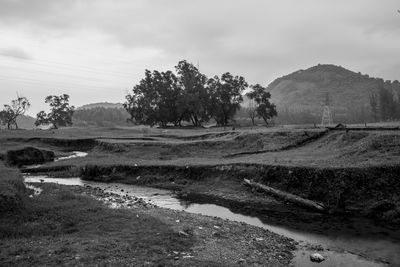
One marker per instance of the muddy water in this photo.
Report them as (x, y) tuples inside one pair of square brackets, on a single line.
[(347, 250), (74, 154)]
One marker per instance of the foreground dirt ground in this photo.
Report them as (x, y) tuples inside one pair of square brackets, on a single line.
[(64, 225)]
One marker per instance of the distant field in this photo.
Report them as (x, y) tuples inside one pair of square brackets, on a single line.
[(137, 130), (133, 131), (289, 145), (377, 124)]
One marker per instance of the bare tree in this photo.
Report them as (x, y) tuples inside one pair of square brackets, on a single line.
[(11, 112)]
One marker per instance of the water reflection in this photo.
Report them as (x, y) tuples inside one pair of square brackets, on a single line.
[(75, 154)]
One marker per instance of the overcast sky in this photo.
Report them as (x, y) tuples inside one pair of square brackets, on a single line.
[(96, 50)]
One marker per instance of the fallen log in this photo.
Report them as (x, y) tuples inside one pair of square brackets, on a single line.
[(288, 197)]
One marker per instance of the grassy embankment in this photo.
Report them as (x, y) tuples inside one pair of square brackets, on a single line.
[(12, 190)]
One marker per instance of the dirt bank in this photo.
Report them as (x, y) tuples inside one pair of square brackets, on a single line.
[(68, 144), (353, 190)]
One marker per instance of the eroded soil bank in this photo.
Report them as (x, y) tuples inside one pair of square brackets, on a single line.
[(372, 192)]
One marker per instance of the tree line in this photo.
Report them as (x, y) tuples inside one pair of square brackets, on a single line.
[(163, 98), (384, 105)]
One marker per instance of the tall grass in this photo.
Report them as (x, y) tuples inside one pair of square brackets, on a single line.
[(12, 189)]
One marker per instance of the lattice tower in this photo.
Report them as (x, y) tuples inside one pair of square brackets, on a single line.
[(326, 116)]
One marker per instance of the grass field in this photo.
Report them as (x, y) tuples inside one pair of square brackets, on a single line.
[(271, 146)]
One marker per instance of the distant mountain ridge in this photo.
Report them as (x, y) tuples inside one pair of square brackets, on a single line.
[(24, 122), (101, 105), (305, 90), (101, 114)]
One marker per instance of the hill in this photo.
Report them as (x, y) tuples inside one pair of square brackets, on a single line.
[(101, 105), (26, 122), (100, 114), (304, 91)]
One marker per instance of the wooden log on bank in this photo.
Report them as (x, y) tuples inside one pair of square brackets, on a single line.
[(288, 197)]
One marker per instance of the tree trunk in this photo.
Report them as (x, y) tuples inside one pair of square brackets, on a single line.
[(196, 120), (266, 120), (288, 197)]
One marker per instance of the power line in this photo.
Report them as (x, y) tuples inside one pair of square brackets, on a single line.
[(68, 48), (63, 84), (86, 78), (47, 63)]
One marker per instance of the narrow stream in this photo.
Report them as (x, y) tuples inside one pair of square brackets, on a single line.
[(75, 154), (382, 250)]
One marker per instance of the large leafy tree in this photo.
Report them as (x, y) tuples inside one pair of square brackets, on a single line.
[(264, 108), (194, 99), (168, 91), (163, 97), (226, 96), (10, 113), (153, 100), (60, 114)]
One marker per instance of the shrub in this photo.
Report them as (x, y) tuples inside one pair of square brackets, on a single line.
[(28, 155)]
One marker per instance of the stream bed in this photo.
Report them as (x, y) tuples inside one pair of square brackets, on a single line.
[(338, 250)]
